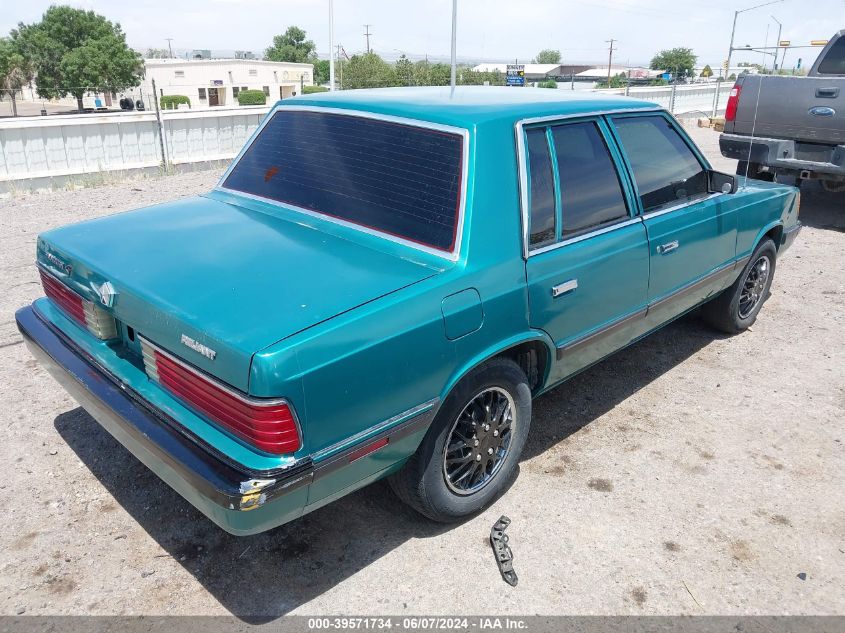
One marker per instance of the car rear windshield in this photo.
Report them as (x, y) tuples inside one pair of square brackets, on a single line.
[(395, 178)]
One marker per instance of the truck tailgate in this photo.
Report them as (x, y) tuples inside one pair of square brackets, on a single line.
[(807, 109)]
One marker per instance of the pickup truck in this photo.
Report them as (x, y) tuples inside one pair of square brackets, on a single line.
[(791, 127), (381, 283)]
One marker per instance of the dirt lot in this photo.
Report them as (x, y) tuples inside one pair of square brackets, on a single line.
[(691, 473)]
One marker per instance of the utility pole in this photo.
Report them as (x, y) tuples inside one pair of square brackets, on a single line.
[(454, 40), (340, 61), (367, 35), (331, 44), (169, 46), (609, 60)]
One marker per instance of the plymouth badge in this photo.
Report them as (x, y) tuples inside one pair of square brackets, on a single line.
[(206, 351)]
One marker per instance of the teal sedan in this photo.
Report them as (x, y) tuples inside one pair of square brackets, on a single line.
[(380, 284)]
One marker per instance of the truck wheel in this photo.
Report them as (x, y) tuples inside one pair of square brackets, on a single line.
[(470, 453), (737, 307)]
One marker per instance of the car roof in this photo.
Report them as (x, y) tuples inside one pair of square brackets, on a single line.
[(468, 106)]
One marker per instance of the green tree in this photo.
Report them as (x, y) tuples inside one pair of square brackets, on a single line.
[(547, 56), (15, 71), (368, 70), (706, 72), (321, 71), (678, 61), (157, 53), (291, 47), (617, 81), (75, 51)]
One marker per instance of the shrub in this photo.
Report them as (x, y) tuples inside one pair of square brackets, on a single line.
[(252, 97), (172, 102), (307, 90), (551, 83)]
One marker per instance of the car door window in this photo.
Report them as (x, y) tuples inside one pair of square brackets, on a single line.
[(665, 169), (541, 188), (590, 192)]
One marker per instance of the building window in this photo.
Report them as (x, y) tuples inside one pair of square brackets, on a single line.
[(235, 91), (202, 94), (266, 91), (253, 72), (179, 73), (244, 88)]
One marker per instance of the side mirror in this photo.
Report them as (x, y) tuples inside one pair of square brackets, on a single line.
[(721, 183)]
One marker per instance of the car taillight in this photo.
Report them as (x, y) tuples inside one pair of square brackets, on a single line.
[(266, 424), (99, 322), (733, 103)]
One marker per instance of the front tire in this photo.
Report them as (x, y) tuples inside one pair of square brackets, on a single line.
[(737, 308), (470, 453)]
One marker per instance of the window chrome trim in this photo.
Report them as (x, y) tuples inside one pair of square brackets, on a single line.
[(585, 236), (452, 255), (657, 214), (522, 169)]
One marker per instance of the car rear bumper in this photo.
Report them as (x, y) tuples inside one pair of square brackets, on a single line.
[(239, 501), (819, 160)]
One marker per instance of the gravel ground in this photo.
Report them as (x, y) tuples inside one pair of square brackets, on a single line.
[(691, 473)]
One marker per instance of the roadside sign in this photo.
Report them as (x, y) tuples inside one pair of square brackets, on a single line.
[(515, 75), (784, 42), (819, 42)]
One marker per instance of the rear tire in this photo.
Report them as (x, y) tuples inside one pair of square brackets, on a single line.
[(736, 308), (470, 453)]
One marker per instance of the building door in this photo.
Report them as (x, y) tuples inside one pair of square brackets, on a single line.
[(285, 92), (213, 97)]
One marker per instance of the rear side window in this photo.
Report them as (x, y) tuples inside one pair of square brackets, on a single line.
[(395, 178), (590, 192), (834, 62), (541, 189), (665, 169)]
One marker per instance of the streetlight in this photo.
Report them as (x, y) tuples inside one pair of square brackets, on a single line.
[(780, 28), (733, 30)]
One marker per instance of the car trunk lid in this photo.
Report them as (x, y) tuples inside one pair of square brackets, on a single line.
[(214, 282)]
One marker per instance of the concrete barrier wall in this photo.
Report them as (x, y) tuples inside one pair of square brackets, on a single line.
[(38, 148)]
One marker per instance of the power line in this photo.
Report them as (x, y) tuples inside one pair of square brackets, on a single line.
[(367, 35)]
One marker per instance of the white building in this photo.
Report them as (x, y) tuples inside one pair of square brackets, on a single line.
[(217, 82)]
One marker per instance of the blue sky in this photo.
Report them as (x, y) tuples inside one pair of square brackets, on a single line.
[(495, 30)]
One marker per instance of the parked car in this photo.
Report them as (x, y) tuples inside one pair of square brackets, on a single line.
[(793, 127), (381, 283)]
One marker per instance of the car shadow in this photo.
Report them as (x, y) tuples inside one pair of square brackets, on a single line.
[(587, 396), (822, 209), (260, 578)]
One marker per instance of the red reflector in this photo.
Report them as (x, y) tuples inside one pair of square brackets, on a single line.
[(733, 103), (270, 427), (369, 448), (64, 297)]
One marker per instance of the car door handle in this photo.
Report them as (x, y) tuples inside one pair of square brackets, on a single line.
[(827, 93), (668, 247), (566, 286)]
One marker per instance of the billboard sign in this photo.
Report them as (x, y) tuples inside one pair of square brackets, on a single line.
[(515, 75)]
